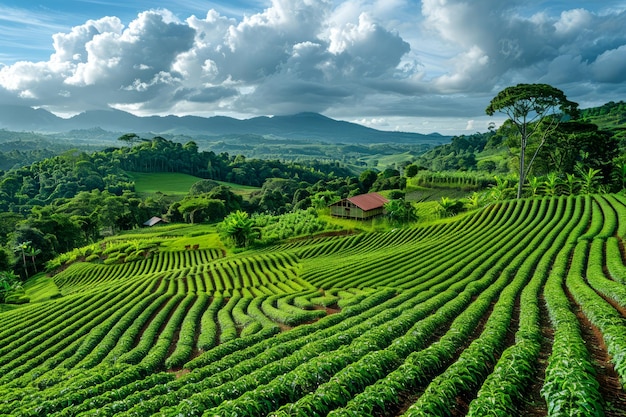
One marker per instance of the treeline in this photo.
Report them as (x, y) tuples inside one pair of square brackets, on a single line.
[(66, 175), (576, 145), (462, 153), (611, 108), (610, 116), (162, 155), (19, 157)]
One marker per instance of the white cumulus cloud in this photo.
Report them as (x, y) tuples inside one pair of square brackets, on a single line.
[(370, 60)]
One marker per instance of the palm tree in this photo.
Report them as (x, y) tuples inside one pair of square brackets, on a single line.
[(32, 252), (22, 247), (239, 227)]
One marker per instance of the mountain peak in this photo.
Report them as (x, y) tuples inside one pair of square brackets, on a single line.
[(308, 126)]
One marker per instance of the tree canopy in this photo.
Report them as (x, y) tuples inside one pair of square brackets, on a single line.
[(527, 104)]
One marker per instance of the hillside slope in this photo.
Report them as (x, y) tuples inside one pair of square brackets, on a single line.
[(610, 116), (507, 303), (296, 127)]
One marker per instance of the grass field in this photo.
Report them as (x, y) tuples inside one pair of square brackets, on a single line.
[(382, 162), (176, 184), (517, 309)]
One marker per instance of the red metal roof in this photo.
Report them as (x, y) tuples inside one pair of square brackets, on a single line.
[(369, 201)]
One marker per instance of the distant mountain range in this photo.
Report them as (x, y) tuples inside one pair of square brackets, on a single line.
[(301, 126)]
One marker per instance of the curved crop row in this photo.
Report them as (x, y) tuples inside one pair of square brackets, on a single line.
[(421, 323), (504, 389), (570, 382)]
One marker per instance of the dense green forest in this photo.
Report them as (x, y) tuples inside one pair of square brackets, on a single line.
[(22, 148), (595, 140), (610, 116), (65, 201)]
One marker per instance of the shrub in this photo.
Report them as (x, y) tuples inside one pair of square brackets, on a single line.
[(93, 257)]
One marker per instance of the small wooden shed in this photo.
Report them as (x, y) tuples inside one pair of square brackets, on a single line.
[(363, 206), (154, 220)]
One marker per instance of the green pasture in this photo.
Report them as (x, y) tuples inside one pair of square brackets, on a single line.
[(383, 162), (176, 184)]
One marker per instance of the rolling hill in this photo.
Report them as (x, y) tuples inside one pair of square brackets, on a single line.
[(515, 309), (302, 126)]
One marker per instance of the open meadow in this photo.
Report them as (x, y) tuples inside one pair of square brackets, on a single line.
[(515, 309), (176, 184)]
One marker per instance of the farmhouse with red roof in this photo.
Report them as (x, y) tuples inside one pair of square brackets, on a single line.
[(364, 206)]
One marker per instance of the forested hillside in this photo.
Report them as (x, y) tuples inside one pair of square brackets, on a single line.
[(610, 116), (595, 140), (70, 200)]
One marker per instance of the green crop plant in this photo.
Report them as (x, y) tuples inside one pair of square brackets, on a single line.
[(32, 349), (600, 313), (208, 324), (423, 315), (228, 329), (570, 386), (79, 348), (614, 262), (608, 215), (149, 336), (238, 357), (503, 390), (186, 339), (126, 341), (595, 272), (420, 365), (618, 202)]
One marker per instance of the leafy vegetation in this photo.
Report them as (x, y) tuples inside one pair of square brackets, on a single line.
[(421, 317), (610, 116), (11, 290), (532, 109)]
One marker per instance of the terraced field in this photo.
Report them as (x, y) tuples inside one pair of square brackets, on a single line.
[(516, 309)]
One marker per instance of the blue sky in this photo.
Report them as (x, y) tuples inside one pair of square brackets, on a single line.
[(422, 66)]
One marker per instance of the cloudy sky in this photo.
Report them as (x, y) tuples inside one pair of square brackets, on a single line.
[(420, 66)]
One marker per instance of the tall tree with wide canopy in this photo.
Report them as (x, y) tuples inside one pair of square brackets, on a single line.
[(526, 105)]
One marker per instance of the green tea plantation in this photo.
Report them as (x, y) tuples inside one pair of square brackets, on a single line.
[(515, 309)]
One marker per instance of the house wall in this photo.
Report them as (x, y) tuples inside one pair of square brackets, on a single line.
[(374, 213), (346, 209)]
